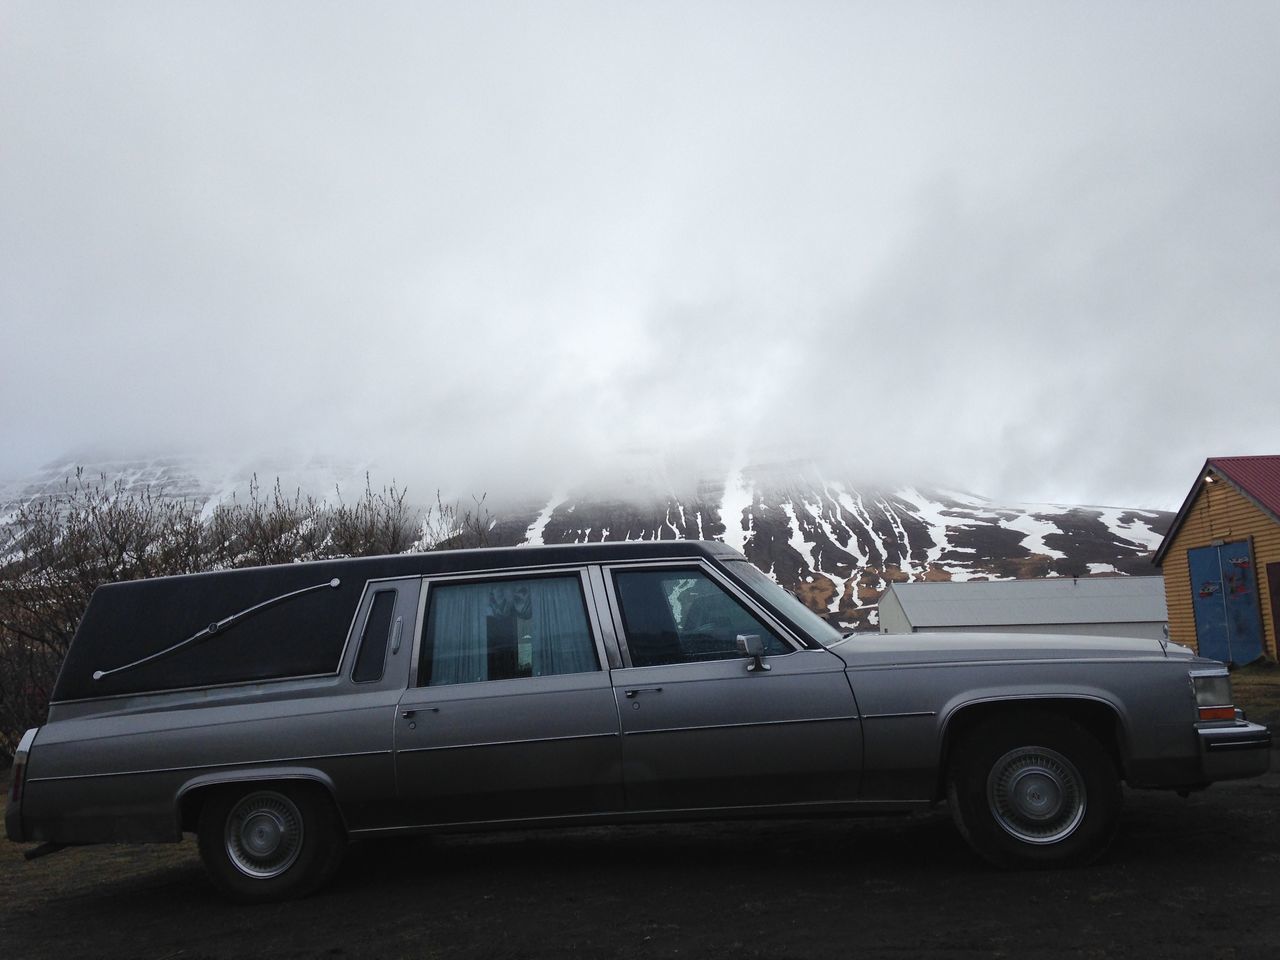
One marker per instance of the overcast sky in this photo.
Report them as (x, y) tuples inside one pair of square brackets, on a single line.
[(1032, 249)]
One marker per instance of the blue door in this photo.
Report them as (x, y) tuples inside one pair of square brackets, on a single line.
[(1224, 596)]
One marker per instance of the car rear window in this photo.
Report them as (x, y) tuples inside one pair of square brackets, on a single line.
[(373, 643)]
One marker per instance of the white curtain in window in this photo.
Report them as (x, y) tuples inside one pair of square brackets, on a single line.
[(460, 643), (559, 633)]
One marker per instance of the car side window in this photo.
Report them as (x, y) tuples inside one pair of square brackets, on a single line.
[(683, 616), (373, 644), (503, 629)]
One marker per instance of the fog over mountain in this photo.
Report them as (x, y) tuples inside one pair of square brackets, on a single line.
[(833, 540)]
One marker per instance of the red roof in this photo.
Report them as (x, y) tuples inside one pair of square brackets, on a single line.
[(1257, 477)]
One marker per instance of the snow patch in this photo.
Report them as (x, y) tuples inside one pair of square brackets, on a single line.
[(855, 510), (1034, 530), (794, 537), (1140, 533), (841, 583), (533, 536), (928, 512), (737, 502), (900, 534)]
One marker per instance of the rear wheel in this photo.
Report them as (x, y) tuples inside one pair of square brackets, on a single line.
[(270, 842), (1034, 790)]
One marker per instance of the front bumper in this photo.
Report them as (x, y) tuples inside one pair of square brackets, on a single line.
[(1235, 749)]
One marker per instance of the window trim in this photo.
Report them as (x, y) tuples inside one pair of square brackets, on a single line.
[(524, 573), (347, 660), (604, 617), (784, 631)]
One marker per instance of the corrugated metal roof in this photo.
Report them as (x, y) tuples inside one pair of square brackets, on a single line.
[(1048, 600), (1257, 477)]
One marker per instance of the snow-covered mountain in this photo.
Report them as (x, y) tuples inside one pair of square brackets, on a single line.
[(834, 541), (201, 481), (838, 544)]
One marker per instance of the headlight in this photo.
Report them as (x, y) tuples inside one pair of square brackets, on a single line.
[(1213, 696)]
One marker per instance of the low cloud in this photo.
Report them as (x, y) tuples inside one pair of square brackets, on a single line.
[(1024, 251)]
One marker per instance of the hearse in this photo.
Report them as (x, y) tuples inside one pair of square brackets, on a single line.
[(281, 712)]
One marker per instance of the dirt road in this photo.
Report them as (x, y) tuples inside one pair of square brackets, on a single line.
[(1196, 878)]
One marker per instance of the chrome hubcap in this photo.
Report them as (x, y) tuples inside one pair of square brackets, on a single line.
[(1036, 795), (264, 834)]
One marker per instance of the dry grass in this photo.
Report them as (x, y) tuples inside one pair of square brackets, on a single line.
[(1257, 692)]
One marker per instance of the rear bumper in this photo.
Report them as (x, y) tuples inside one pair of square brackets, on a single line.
[(1232, 750)]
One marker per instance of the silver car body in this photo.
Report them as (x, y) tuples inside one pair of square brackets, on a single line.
[(853, 725)]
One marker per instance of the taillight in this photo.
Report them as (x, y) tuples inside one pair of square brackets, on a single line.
[(19, 775), (20, 765)]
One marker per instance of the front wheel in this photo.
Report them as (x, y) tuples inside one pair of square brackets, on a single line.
[(1034, 790), (261, 843)]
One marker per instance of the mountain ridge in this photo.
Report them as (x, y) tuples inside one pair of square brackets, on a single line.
[(834, 541)]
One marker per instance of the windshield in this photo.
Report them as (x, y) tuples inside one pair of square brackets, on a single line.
[(786, 603)]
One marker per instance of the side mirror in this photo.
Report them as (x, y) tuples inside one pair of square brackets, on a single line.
[(751, 645)]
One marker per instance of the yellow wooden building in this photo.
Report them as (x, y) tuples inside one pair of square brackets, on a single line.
[(1221, 561)]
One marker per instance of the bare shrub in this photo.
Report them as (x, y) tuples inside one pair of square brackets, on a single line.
[(447, 526), (59, 550), (378, 523), (267, 529)]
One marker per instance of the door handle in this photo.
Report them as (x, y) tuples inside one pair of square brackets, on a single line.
[(409, 714), (395, 637), (631, 694)]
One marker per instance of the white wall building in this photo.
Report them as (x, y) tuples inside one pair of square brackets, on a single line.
[(1095, 606)]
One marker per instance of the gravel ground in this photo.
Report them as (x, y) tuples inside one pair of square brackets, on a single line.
[(1194, 878)]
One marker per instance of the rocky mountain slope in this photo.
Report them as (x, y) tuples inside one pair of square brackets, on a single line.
[(838, 545), (835, 542)]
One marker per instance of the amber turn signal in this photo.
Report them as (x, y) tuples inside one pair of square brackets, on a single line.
[(1217, 713)]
